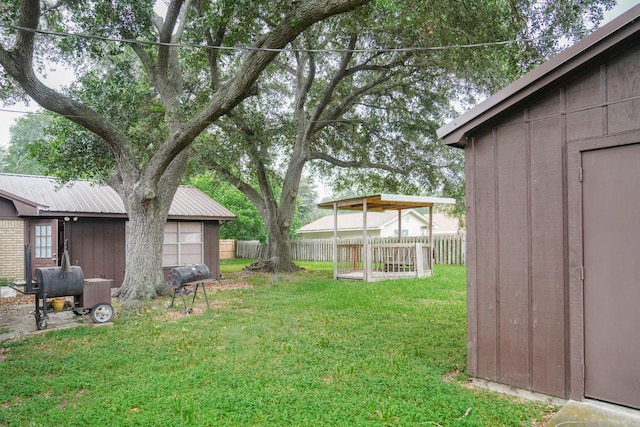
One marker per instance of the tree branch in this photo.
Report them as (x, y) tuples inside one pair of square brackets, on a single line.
[(241, 185), (358, 164), (255, 61), (285, 67), (212, 55), (173, 13), (346, 104), (182, 21), (331, 87), (18, 63), (303, 87)]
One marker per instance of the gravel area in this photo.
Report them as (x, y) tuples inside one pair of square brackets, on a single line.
[(17, 318)]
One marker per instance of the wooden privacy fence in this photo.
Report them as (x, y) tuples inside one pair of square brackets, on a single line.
[(227, 248), (447, 248), (450, 249), (252, 249)]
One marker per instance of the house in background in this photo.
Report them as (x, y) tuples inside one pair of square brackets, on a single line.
[(552, 165), (379, 224), (35, 210)]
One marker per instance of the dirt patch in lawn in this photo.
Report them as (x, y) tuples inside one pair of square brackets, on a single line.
[(17, 318), (212, 286)]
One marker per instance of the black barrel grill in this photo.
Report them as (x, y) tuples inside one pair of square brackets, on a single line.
[(181, 279), (89, 296)]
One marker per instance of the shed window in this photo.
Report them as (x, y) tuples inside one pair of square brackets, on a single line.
[(42, 241), (183, 243)]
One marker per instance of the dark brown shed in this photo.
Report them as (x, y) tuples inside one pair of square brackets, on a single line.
[(553, 222), (34, 209)]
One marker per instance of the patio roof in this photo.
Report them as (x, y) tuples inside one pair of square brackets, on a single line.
[(382, 202)]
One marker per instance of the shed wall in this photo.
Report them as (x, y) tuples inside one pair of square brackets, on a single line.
[(521, 329), (212, 248), (98, 246), (211, 255), (516, 275)]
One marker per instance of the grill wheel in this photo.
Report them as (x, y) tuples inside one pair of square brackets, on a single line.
[(102, 313)]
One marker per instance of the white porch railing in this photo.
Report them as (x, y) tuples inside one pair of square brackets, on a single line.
[(447, 248), (386, 260)]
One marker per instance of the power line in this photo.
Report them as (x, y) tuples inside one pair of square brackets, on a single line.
[(5, 110), (257, 49)]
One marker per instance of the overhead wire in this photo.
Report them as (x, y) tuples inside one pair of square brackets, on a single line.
[(292, 50), (256, 48)]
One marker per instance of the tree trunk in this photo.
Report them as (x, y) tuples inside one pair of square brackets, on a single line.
[(143, 275), (280, 257), (147, 206)]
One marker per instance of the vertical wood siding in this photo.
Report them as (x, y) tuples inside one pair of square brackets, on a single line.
[(472, 247), (513, 267), (97, 245), (623, 92), (212, 248), (486, 225), (547, 259)]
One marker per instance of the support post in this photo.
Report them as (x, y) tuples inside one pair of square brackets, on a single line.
[(335, 241), (366, 259), (419, 260)]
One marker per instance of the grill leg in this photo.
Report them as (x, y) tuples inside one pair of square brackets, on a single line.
[(204, 289), (195, 293), (44, 306), (36, 313), (173, 297), (205, 296), (186, 310), (178, 290), (41, 318)]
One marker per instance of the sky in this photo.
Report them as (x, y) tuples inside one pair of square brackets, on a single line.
[(63, 77)]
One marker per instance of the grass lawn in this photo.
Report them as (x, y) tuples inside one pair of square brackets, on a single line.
[(293, 350)]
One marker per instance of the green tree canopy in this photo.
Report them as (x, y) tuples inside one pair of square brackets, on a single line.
[(359, 99), (249, 224), (27, 130), (356, 96), (152, 76)]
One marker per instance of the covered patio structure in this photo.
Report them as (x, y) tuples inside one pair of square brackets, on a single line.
[(370, 260)]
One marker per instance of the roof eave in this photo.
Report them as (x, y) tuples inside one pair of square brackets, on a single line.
[(419, 217), (201, 218), (382, 202), (23, 206), (340, 230)]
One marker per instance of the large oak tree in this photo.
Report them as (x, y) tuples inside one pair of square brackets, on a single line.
[(361, 97), (141, 94)]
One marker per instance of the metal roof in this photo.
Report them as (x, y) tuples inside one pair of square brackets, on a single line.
[(383, 202), (549, 73), (353, 221), (85, 198)]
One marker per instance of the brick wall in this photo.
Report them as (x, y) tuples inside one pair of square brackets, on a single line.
[(11, 249)]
